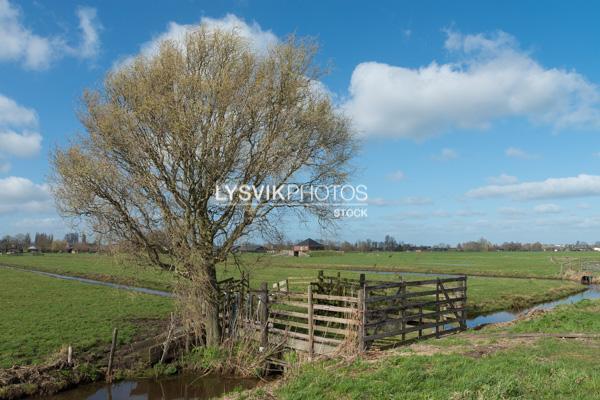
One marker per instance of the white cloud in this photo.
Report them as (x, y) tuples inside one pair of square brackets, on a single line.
[(511, 211), (259, 39), (13, 114), (502, 179), (396, 176), (25, 144), (40, 223), (445, 155), (417, 201), (18, 43), (492, 78), (20, 194), (18, 135), (547, 209), (515, 152), (89, 25), (578, 186)]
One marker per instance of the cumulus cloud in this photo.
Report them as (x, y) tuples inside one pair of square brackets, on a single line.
[(24, 144), (12, 113), (396, 176), (445, 155), (491, 78), (20, 194), (18, 43), (547, 209), (18, 132), (502, 179), (515, 152), (578, 186), (260, 40)]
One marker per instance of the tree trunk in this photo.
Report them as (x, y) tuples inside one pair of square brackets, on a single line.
[(212, 323)]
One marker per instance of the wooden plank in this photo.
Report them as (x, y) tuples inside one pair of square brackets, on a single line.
[(407, 306), (362, 345), (389, 285), (304, 336), (408, 295), (311, 324), (408, 317), (264, 315), (348, 299), (347, 321), (451, 303), (322, 307), (301, 345), (317, 327), (397, 332)]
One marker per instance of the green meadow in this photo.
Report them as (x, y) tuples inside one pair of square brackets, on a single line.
[(39, 314)]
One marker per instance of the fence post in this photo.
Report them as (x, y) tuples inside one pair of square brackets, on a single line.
[(362, 314), (111, 355), (311, 327), (437, 308), (464, 304), (403, 312), (264, 314)]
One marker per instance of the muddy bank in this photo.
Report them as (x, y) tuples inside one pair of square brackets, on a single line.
[(18, 382)]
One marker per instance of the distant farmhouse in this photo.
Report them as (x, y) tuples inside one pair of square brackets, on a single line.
[(33, 250), (306, 246), (250, 248)]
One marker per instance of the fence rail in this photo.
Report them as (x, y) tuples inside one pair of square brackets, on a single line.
[(334, 311)]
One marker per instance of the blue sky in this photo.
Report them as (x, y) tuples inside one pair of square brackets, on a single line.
[(476, 119)]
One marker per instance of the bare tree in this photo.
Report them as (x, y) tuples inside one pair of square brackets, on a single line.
[(165, 131)]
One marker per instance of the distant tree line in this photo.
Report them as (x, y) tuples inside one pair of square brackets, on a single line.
[(46, 243), (389, 243)]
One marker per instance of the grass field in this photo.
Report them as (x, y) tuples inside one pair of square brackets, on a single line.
[(486, 294), (39, 315), (483, 365), (507, 264)]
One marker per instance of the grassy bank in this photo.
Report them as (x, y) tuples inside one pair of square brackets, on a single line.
[(39, 315), (467, 366)]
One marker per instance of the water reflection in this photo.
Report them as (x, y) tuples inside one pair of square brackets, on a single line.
[(506, 316), (184, 387)]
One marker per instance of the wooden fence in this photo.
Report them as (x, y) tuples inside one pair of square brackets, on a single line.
[(335, 313)]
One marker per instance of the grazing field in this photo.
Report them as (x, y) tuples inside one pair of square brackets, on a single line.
[(39, 315), (505, 264), (486, 294), (491, 364), (94, 266)]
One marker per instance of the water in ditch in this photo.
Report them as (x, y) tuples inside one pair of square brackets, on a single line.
[(186, 386)]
